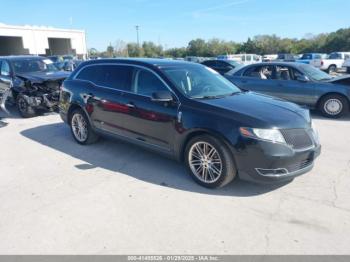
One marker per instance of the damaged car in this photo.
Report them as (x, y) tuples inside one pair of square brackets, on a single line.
[(31, 82)]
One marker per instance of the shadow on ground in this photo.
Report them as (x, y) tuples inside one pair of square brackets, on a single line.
[(134, 161)]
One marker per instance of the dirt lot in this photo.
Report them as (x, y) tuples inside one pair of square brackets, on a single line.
[(113, 198)]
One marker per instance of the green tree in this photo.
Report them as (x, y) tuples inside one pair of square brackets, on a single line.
[(134, 50)]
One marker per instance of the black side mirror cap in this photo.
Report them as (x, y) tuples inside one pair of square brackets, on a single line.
[(162, 96)]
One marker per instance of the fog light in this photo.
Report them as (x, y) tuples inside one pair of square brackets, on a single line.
[(272, 172)]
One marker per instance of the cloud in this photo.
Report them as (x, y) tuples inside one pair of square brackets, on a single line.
[(198, 13)]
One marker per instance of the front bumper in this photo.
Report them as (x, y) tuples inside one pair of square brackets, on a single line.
[(266, 162)]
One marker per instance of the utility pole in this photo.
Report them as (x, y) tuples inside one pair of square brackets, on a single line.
[(137, 35)]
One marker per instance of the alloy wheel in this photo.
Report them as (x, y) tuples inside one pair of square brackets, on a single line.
[(205, 162), (79, 127)]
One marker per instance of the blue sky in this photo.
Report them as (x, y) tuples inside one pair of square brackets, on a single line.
[(173, 23)]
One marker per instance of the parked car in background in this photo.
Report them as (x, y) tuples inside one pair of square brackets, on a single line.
[(346, 66), (192, 113), (31, 82), (245, 59), (269, 58), (285, 58), (221, 66), (309, 58), (333, 63), (299, 83)]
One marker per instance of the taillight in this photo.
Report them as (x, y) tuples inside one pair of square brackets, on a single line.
[(322, 62)]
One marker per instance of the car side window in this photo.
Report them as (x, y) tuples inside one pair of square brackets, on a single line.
[(260, 72), (295, 74), (5, 68), (282, 73), (112, 76), (146, 83)]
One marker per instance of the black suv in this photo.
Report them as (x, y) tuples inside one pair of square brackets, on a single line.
[(193, 114)]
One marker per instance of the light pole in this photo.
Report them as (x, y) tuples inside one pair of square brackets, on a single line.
[(137, 35)]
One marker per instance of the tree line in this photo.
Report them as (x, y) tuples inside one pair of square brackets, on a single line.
[(261, 44)]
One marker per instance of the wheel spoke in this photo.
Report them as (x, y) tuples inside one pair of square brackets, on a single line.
[(205, 162)]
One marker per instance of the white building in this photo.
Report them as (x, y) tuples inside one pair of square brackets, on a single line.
[(40, 40)]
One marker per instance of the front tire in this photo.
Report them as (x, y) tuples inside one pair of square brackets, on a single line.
[(81, 128), (334, 106), (209, 162), (24, 109)]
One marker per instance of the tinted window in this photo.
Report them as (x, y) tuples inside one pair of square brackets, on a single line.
[(210, 63), (112, 76), (5, 68), (146, 83), (261, 72)]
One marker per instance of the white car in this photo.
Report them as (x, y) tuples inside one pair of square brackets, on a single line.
[(333, 63), (244, 59)]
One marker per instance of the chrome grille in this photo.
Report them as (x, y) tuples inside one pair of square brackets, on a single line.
[(297, 138)]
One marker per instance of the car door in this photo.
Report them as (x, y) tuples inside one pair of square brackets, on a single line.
[(104, 96), (257, 79), (151, 122), (5, 83), (5, 76), (292, 86)]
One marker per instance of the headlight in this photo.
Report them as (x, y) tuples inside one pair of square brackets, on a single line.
[(272, 135)]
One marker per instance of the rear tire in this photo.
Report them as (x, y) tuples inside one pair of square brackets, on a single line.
[(81, 128), (332, 69), (348, 70), (334, 106), (209, 162), (24, 109)]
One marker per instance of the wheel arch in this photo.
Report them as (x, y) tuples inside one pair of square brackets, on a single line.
[(73, 107), (200, 132)]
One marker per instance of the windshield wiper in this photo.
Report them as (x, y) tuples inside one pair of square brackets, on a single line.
[(217, 96)]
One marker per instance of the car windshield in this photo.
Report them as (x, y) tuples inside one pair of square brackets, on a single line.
[(306, 56), (196, 81), (236, 69), (233, 63), (34, 65), (315, 74)]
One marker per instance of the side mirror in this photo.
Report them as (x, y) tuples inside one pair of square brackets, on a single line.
[(302, 78), (162, 96)]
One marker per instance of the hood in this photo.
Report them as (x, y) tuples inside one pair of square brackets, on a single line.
[(261, 111), (39, 77), (337, 79)]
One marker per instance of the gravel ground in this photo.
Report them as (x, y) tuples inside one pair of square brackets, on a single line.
[(58, 197)]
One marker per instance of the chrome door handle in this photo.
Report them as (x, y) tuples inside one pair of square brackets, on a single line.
[(130, 105)]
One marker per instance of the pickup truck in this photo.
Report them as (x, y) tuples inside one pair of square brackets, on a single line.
[(346, 66), (309, 57), (333, 63)]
